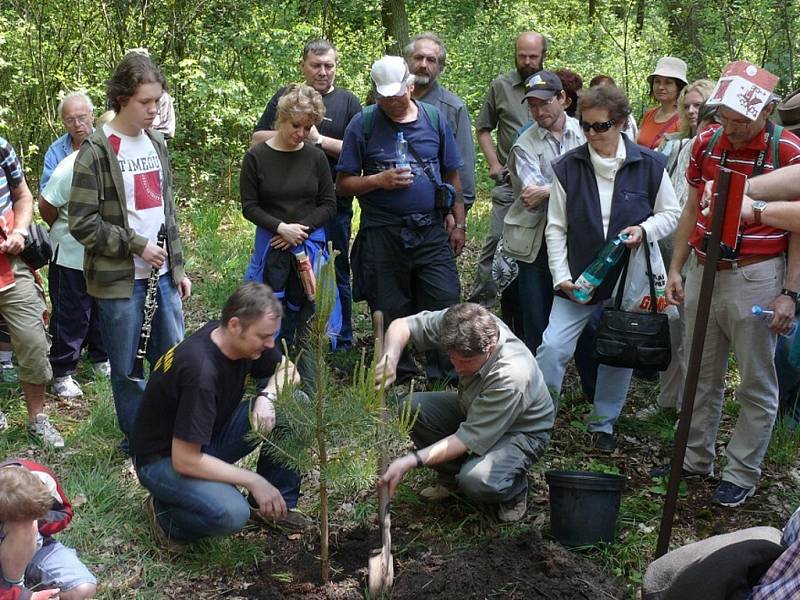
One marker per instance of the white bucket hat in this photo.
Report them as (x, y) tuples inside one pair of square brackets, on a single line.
[(390, 75), (669, 66)]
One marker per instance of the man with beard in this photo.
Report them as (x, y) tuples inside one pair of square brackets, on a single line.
[(426, 56), (505, 111), (319, 69)]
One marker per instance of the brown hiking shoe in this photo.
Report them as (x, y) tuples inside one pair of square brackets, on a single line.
[(162, 537), (436, 492), (513, 510)]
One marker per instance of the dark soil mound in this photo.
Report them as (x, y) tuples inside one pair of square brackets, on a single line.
[(512, 568)]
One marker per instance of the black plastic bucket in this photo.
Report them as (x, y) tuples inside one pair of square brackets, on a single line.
[(584, 506)]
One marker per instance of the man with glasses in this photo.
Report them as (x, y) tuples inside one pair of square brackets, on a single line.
[(77, 114), (529, 165), (319, 69), (404, 259), (74, 321), (426, 56), (757, 273), (503, 111)]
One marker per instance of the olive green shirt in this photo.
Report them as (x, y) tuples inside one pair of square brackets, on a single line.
[(507, 394), (505, 111)]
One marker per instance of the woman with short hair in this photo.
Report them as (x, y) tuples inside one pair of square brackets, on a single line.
[(287, 191), (666, 83), (601, 189)]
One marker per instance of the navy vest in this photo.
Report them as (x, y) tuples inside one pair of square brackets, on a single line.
[(635, 190)]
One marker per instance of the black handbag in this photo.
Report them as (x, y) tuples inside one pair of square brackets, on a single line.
[(38, 250), (634, 340)]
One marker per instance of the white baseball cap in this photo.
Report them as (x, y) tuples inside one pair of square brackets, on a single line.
[(390, 75)]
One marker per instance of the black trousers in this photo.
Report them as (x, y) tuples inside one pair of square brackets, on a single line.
[(402, 272), (73, 321)]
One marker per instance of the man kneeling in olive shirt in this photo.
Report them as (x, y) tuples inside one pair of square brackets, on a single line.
[(483, 438)]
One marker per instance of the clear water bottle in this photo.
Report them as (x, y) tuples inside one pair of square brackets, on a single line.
[(766, 315), (595, 273), (401, 152)]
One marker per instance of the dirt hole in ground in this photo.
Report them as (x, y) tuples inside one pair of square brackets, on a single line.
[(520, 567)]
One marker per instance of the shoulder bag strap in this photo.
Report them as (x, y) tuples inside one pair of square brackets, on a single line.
[(653, 298), (622, 278)]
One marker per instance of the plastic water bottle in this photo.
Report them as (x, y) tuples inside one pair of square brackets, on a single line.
[(306, 273), (766, 315), (595, 273), (401, 152)]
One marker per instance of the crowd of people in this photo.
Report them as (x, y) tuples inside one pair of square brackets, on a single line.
[(573, 170)]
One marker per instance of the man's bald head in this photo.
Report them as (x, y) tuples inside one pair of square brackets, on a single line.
[(530, 50)]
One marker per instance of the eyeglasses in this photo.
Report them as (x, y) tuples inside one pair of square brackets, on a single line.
[(542, 105), (726, 122), (72, 121), (597, 126)]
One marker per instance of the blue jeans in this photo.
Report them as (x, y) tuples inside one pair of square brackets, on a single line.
[(189, 508), (567, 320), (337, 231), (120, 326)]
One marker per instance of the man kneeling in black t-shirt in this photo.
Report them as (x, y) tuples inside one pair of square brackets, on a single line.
[(193, 425)]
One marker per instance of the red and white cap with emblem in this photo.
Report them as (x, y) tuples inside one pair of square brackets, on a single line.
[(744, 88)]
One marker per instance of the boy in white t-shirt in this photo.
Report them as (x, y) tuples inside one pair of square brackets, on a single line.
[(121, 197)]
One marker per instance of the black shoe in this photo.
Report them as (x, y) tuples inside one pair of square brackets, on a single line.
[(664, 470), (730, 494), (605, 442)]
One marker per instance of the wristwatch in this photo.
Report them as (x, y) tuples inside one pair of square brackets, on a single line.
[(22, 232), (271, 396), (758, 208), (461, 226), (793, 295)]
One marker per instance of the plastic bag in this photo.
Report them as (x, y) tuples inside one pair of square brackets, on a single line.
[(636, 295), (504, 268)]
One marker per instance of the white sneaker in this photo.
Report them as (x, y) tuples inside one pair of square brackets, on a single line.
[(44, 430), (66, 387), (101, 369)]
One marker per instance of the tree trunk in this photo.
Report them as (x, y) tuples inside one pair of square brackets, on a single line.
[(640, 9), (395, 25)]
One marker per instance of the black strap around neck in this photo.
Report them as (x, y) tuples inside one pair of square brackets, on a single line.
[(425, 166), (758, 163)]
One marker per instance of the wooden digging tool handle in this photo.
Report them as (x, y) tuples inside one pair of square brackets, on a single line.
[(383, 491), (695, 356)]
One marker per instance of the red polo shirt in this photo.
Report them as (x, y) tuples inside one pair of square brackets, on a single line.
[(761, 239)]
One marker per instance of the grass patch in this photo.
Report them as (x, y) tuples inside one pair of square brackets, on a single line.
[(784, 447)]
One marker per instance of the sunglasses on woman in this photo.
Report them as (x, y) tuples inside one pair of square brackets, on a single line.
[(597, 126)]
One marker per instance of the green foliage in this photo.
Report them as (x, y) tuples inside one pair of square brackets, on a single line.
[(660, 487), (224, 59)]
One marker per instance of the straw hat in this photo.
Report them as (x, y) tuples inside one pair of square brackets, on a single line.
[(789, 111), (669, 66)]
